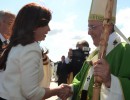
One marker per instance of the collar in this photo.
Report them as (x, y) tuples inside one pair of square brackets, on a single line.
[(114, 40)]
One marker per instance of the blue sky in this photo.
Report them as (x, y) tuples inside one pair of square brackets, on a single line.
[(69, 22)]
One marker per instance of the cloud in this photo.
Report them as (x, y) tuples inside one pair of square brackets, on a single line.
[(55, 31), (123, 21), (63, 35)]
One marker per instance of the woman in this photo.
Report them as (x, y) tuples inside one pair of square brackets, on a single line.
[(22, 60)]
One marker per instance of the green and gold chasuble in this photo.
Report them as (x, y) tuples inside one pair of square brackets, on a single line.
[(119, 61)]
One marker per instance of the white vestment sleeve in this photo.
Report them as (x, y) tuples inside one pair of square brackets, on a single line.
[(114, 92)]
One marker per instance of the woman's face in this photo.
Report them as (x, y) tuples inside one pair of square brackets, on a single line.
[(40, 33)]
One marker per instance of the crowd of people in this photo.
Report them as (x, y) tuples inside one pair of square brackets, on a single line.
[(25, 68)]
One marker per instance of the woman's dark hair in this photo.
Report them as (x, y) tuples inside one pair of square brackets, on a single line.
[(30, 17)]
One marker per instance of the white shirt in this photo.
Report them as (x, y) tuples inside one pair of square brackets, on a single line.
[(2, 38), (23, 74)]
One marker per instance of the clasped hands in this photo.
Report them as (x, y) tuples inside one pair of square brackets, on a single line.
[(64, 91)]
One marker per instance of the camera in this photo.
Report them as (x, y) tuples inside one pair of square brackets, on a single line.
[(80, 54), (77, 59)]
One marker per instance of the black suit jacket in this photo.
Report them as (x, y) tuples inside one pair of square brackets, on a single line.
[(0, 44), (62, 72)]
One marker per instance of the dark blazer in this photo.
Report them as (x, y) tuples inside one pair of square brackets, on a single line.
[(0, 44), (62, 72)]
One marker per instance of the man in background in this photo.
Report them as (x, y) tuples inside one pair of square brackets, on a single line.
[(6, 21), (62, 71)]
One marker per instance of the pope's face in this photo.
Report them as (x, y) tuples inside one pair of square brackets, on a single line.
[(95, 29)]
